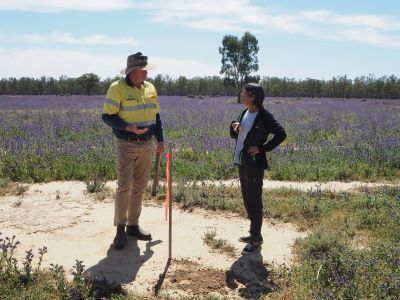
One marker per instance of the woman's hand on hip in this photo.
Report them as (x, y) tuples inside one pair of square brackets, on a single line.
[(253, 150)]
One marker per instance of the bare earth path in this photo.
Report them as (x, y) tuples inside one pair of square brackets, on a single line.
[(72, 225), (338, 186)]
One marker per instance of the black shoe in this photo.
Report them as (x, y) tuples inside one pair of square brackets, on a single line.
[(120, 238), (138, 232), (252, 247), (247, 239)]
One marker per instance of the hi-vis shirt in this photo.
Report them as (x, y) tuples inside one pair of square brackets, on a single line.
[(135, 106)]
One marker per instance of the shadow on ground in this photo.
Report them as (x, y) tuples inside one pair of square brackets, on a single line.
[(250, 276), (119, 267)]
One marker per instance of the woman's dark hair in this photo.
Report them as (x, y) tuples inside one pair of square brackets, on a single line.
[(257, 91)]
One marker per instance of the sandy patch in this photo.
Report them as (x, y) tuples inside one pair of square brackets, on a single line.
[(73, 225), (337, 186)]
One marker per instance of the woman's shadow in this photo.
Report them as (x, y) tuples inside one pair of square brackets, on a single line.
[(252, 273), (120, 266)]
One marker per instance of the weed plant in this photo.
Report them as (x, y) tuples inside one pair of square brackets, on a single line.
[(221, 245)]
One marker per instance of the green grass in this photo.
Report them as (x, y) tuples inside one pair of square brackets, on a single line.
[(8, 187), (221, 245), (352, 251)]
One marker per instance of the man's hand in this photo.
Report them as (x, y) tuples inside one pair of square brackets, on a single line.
[(135, 129), (253, 150), (160, 147), (236, 127)]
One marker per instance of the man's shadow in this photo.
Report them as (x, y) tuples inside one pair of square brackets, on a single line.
[(119, 266), (252, 273)]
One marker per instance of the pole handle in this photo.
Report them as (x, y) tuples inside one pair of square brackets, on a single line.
[(156, 172)]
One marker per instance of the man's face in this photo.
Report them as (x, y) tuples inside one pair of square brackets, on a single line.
[(138, 76)]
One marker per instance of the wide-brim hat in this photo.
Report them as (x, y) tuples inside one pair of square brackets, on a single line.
[(137, 61)]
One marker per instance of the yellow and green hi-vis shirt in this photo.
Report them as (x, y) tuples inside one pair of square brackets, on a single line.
[(134, 106)]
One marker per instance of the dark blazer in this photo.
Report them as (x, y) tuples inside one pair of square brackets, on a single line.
[(264, 125)]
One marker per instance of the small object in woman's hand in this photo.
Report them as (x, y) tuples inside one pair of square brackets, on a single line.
[(236, 127)]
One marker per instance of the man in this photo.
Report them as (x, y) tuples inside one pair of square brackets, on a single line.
[(131, 109)]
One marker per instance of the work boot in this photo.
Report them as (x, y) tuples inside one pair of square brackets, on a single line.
[(135, 230), (248, 239), (252, 247), (120, 237)]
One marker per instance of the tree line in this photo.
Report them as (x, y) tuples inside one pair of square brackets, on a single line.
[(239, 61), (386, 87)]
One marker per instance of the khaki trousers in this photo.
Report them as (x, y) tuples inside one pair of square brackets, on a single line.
[(133, 170)]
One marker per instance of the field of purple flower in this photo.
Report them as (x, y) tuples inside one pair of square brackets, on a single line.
[(48, 138)]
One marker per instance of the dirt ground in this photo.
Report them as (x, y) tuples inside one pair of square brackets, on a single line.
[(75, 226)]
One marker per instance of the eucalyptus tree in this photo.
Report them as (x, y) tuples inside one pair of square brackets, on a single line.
[(239, 59)]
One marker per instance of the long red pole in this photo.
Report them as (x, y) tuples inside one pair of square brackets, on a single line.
[(170, 205), (169, 199)]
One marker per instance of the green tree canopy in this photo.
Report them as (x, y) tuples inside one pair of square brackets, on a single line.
[(90, 83), (239, 59)]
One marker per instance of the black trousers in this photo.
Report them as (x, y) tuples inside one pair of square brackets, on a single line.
[(251, 182)]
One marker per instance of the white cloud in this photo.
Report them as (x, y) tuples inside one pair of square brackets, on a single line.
[(379, 31), (242, 15), (189, 68), (62, 5), (43, 62), (289, 24), (233, 16), (368, 36), (370, 21), (67, 38), (219, 15), (214, 24)]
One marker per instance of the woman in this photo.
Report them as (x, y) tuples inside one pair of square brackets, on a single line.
[(251, 132)]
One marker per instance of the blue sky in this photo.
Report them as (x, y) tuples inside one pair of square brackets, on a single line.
[(297, 38)]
